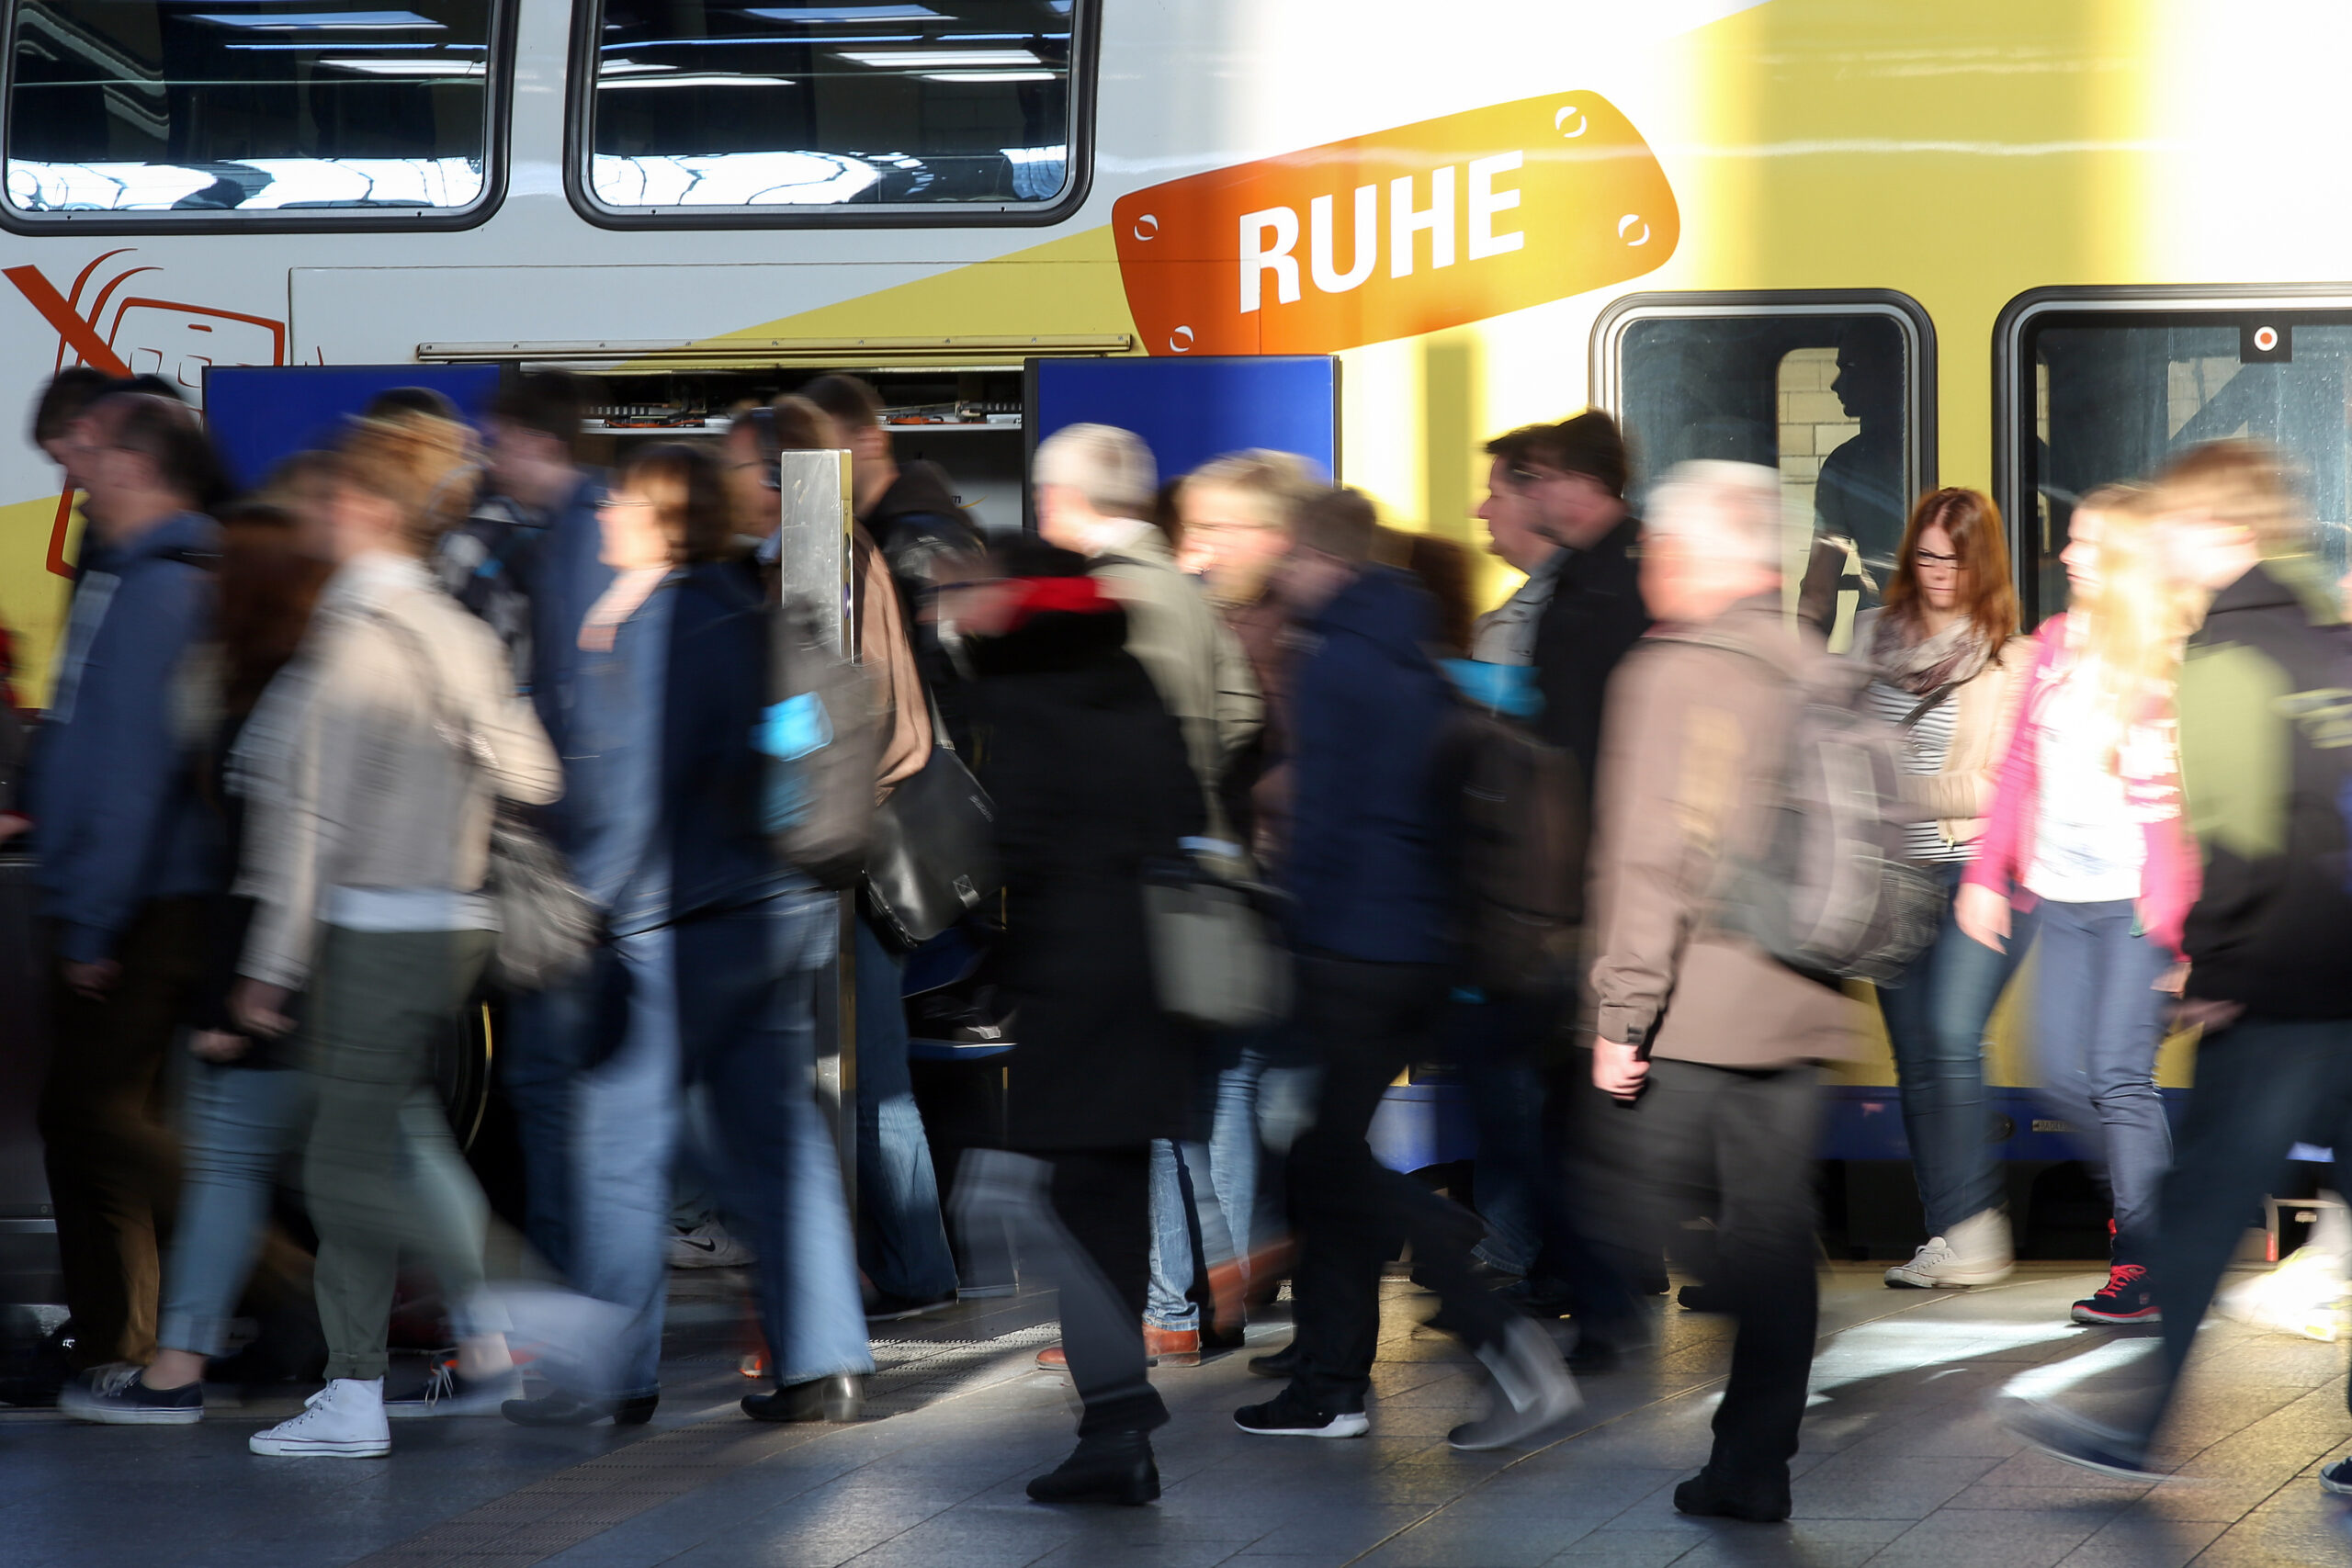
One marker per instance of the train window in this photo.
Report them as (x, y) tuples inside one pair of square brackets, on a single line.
[(201, 108), (1832, 389), (2096, 390), (957, 110)]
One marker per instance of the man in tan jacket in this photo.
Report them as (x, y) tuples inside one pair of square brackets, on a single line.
[(1709, 1047)]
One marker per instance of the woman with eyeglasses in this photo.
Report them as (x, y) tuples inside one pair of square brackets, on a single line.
[(1948, 670)]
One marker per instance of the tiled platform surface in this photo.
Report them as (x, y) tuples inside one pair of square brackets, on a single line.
[(1901, 1466)]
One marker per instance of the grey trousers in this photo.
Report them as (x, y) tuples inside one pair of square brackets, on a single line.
[(380, 1170)]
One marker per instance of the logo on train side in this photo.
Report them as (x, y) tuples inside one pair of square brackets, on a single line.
[(1399, 232)]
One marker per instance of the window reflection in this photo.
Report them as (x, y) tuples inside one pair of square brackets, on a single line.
[(234, 106), (701, 103)]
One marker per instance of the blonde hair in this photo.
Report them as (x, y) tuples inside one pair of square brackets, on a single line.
[(2135, 619), (2244, 482), (423, 464), (1270, 486)]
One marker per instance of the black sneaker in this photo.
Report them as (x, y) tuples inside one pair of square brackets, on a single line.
[(2060, 1433), (1287, 1416), (115, 1396), (2127, 1297), (2337, 1478), (1710, 1496), (1282, 1363)]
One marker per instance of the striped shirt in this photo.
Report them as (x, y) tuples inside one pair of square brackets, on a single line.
[(1925, 746)]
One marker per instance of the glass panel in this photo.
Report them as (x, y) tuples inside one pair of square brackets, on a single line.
[(2117, 396), (1821, 398), (802, 105), (247, 106)]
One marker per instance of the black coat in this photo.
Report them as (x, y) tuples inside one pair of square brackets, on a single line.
[(1595, 613), (1090, 780)]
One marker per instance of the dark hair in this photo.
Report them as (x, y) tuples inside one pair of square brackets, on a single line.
[(789, 424), (1987, 596), (1340, 522), (1167, 511), (1444, 569), (266, 589), (548, 402), (1589, 443), (165, 432), (848, 401), (414, 400), (688, 502), (67, 398), (154, 386)]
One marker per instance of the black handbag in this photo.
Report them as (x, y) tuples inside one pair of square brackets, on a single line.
[(932, 855)]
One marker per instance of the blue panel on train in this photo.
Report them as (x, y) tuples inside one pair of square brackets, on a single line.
[(1189, 411), (259, 415)]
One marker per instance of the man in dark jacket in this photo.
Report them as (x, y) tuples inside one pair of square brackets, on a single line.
[(126, 856), (2266, 763), (1371, 867)]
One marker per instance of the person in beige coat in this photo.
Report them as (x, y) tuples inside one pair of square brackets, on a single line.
[(371, 770), (1711, 1048), (1949, 670)]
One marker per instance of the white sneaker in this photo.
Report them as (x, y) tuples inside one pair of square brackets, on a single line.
[(1977, 1252), (708, 1246), (445, 1392), (2306, 1294), (343, 1420)]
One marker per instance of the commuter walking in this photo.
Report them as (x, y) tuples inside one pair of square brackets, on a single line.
[(241, 1103), (377, 760), (1371, 868), (1095, 488), (1711, 1046), (706, 989), (1949, 670), (2263, 768), (127, 853), (1091, 785), (2085, 831)]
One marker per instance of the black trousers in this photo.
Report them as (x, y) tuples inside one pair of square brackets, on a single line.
[(1103, 1198), (2262, 1085), (1365, 1022), (1738, 1147)]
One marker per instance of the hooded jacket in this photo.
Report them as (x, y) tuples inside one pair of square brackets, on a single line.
[(2266, 755), (109, 787), (1373, 839)]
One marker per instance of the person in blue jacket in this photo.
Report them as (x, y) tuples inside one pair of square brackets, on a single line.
[(126, 856), (1371, 869)]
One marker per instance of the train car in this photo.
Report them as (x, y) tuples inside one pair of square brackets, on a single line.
[(2023, 246)]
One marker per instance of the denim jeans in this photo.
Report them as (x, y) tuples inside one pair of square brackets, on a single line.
[(1935, 1021), (2099, 1020), (540, 1063), (1498, 1043), (237, 1126), (717, 1046), (901, 1241), (1206, 1191)]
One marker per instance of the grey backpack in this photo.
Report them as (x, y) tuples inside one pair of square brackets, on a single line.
[(1832, 893)]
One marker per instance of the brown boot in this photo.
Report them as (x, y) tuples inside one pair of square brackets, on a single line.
[(1172, 1347)]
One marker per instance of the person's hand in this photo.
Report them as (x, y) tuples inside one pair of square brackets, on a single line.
[(1983, 916), (218, 1046), (259, 1007), (94, 980), (1618, 1071), (2173, 980)]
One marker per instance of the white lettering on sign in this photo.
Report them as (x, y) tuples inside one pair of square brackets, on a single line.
[(1257, 258), (1270, 238)]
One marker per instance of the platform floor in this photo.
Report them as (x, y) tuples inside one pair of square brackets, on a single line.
[(1900, 1466)]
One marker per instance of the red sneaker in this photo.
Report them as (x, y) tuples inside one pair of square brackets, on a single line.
[(2127, 1297)]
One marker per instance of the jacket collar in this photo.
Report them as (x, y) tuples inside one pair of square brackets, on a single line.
[(187, 530), (1760, 625), (2256, 591)]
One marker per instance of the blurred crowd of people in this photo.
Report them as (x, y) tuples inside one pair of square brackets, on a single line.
[(438, 712)]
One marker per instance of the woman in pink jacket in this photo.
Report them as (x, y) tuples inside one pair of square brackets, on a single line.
[(2087, 830)]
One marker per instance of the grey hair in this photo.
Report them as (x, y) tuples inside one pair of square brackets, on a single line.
[(1733, 509), (1110, 467)]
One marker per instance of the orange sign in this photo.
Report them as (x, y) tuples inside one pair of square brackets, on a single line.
[(1402, 232)]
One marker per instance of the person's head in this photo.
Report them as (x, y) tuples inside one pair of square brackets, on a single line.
[(666, 507), (1088, 475), (535, 439), (1238, 513), (401, 482), (414, 400), (1713, 538), (856, 409), (760, 433), (265, 587), (142, 460), (1445, 568), (1334, 537), (1549, 485), (60, 409), (1870, 371), (2228, 504), (2120, 584), (1955, 561)]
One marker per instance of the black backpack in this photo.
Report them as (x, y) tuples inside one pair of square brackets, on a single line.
[(1524, 823)]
